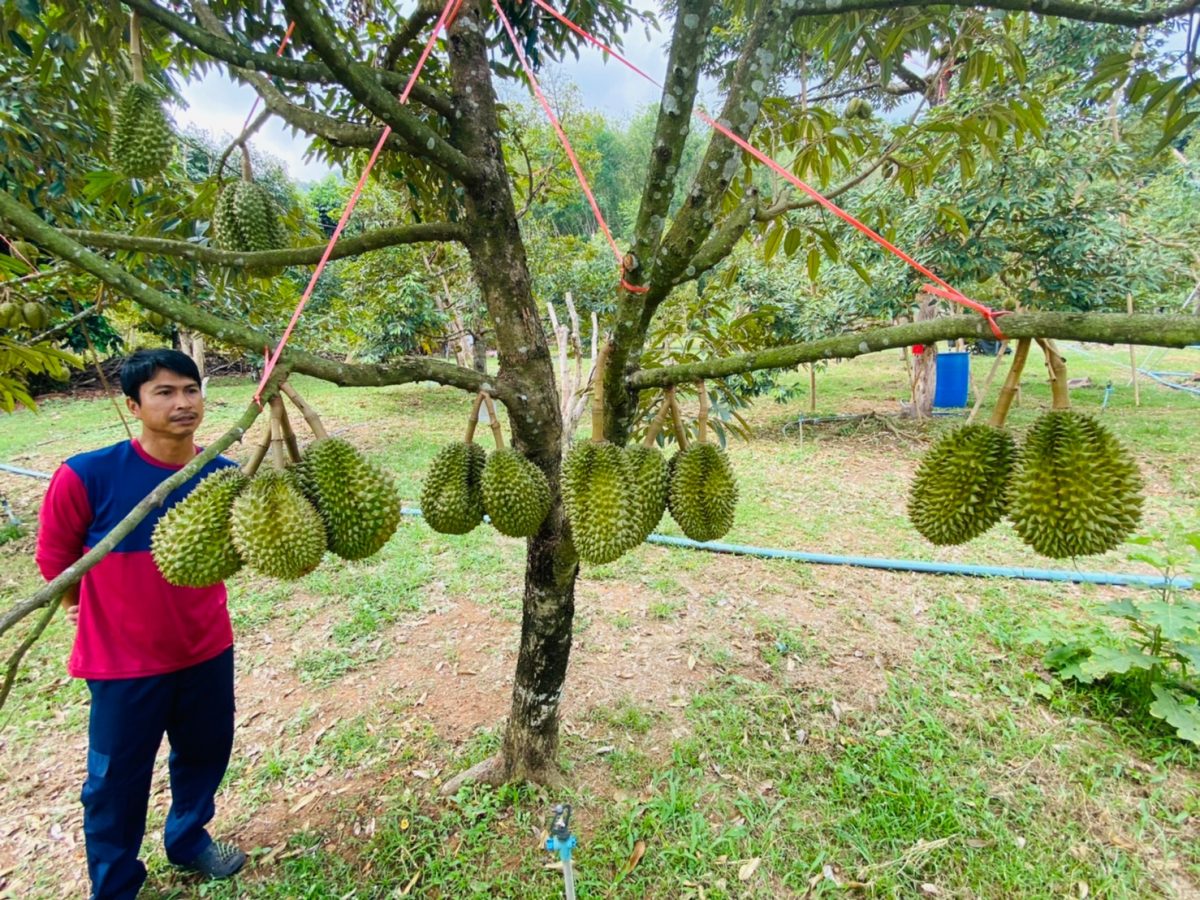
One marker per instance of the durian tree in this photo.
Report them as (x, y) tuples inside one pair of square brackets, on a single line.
[(337, 85)]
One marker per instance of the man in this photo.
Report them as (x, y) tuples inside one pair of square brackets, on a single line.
[(157, 658)]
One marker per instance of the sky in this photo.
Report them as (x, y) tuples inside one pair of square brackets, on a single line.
[(218, 105)]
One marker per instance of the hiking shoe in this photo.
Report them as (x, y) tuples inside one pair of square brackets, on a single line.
[(219, 860)]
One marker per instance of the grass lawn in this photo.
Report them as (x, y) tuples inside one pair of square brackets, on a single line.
[(735, 727)]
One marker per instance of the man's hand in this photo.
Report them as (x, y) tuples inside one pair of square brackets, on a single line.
[(70, 604)]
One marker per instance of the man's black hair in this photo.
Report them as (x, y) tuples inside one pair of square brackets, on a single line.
[(141, 366)]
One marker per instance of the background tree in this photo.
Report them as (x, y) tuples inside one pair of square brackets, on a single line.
[(446, 157)]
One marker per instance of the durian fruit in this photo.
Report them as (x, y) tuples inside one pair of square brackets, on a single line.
[(598, 493), (356, 499), (191, 543), (246, 219), (858, 108), (960, 487), (275, 529), (156, 319), (25, 251), (452, 498), (10, 315), (35, 315), (142, 139), (516, 494), (651, 484), (703, 492), (1075, 489)]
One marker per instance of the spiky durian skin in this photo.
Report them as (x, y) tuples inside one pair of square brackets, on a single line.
[(275, 528), (356, 499), (960, 488), (1075, 489), (651, 482), (451, 498), (516, 494), (142, 139), (703, 493), (191, 544), (598, 494), (246, 219)]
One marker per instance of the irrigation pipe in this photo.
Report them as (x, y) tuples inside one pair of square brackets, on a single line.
[(1118, 579), (1173, 385)]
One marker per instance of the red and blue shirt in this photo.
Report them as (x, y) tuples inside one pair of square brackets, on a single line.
[(132, 622)]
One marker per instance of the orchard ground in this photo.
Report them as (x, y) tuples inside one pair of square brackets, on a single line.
[(751, 728)]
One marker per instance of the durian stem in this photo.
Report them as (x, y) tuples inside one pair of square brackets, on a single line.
[(495, 421), (278, 454), (1060, 392), (135, 47), (657, 422), (474, 420), (1011, 384), (677, 419), (987, 382), (285, 428), (598, 392), (702, 420), (259, 454), (247, 169), (310, 415)]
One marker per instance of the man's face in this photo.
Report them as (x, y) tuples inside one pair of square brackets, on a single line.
[(170, 404)]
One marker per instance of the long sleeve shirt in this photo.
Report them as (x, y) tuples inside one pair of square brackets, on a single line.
[(132, 622)]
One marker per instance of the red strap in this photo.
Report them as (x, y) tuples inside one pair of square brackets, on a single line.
[(566, 143), (451, 6)]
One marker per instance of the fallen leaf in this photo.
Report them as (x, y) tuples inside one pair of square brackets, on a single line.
[(691, 662), (639, 850), (412, 883), (930, 890), (1083, 890), (305, 800), (423, 774), (749, 867)]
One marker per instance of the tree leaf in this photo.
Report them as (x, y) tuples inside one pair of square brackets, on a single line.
[(1178, 710)]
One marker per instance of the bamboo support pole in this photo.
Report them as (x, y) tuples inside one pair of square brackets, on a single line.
[(285, 429), (136, 58), (681, 437), (1011, 384), (987, 382), (259, 454), (656, 424), (473, 421), (278, 451), (1056, 366), (311, 418), (702, 420), (598, 392)]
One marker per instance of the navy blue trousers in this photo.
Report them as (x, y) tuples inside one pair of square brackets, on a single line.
[(194, 708)]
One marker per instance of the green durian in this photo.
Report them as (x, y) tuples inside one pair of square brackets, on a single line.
[(651, 484), (356, 499), (1075, 489), (451, 498), (703, 492), (191, 543), (960, 487), (36, 315), (246, 219), (598, 493), (142, 139), (275, 529), (516, 494)]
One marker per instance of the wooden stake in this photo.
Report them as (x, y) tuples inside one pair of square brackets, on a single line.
[(1011, 384), (474, 420), (812, 388), (285, 429), (987, 382), (1133, 367), (497, 434), (310, 415)]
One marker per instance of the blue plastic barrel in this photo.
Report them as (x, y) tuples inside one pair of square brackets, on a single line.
[(953, 379)]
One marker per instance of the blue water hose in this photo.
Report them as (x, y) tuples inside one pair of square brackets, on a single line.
[(1173, 385), (1118, 579)]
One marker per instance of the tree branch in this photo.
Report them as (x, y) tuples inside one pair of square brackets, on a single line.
[(1100, 328), (1065, 9), (402, 371), (363, 84), (425, 232), (293, 70)]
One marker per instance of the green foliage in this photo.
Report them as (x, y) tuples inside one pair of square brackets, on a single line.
[(18, 360), (1147, 650)]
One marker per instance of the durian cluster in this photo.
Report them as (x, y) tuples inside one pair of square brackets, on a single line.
[(246, 219), (30, 314), (1071, 489), (465, 483), (280, 522), (858, 108), (142, 139)]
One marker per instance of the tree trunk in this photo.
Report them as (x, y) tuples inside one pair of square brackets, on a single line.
[(479, 351), (925, 366)]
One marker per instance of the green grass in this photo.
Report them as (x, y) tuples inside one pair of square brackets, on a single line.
[(949, 768)]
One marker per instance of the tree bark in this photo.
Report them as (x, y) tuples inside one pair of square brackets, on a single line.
[(924, 381)]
